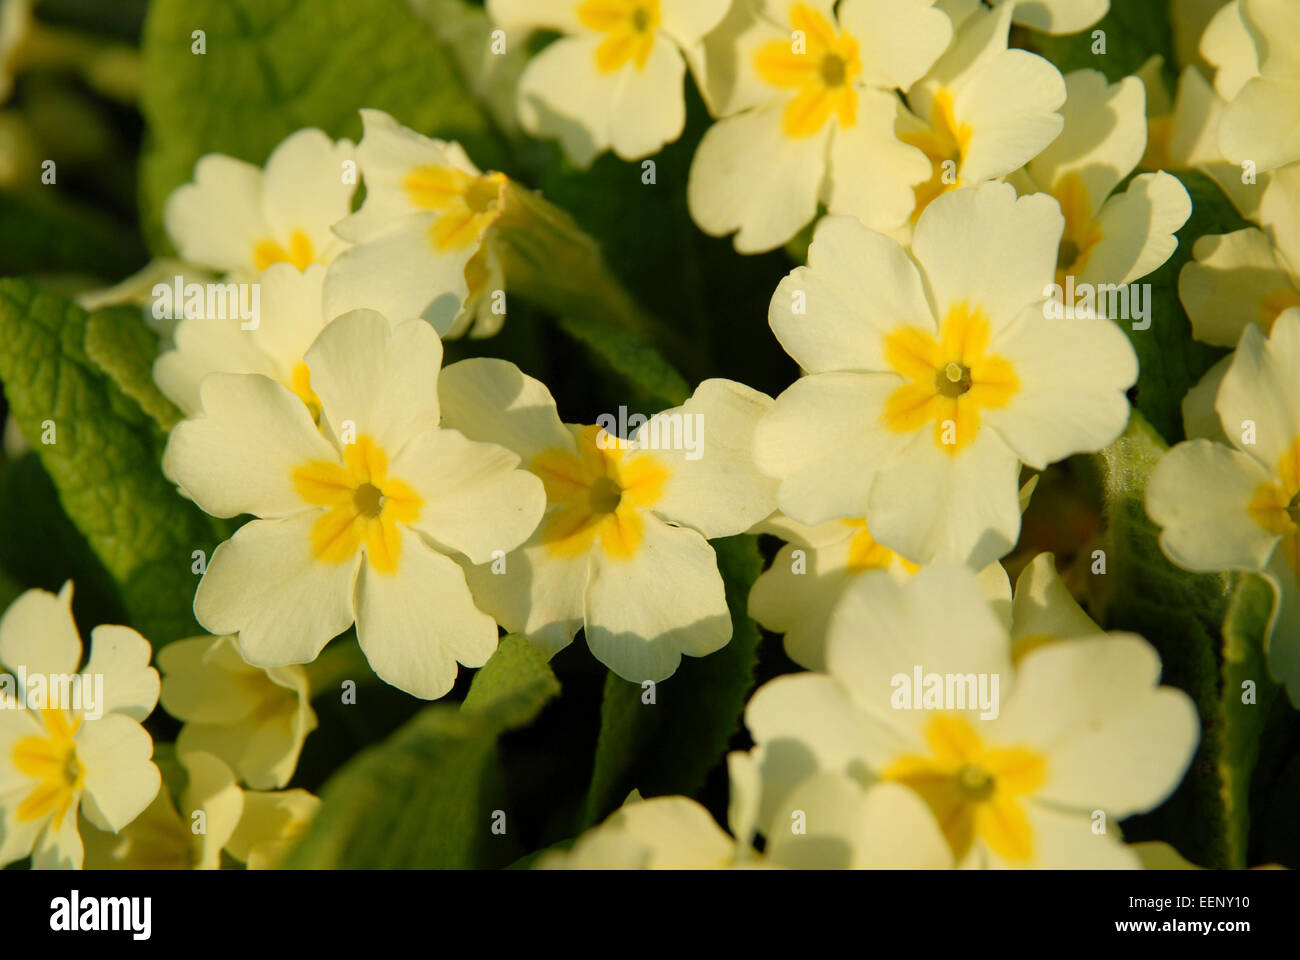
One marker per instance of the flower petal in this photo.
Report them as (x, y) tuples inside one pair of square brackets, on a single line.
[(264, 584), (121, 779), (630, 627), (475, 500), (858, 286), (240, 454), (414, 625), (37, 633), (383, 380)]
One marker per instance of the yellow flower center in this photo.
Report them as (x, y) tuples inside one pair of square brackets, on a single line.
[(819, 63), (363, 505), (945, 142), (595, 496), (1082, 233), (973, 789), (468, 205), (950, 377), (866, 554), (1276, 506), (301, 253), (629, 27), (52, 761)]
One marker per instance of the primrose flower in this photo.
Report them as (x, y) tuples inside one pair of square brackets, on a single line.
[(254, 827), (615, 79), (808, 104), (1014, 760), (1108, 239), (255, 720), (931, 381), (982, 110), (65, 755), (1250, 276), (1261, 124), (236, 218), (797, 594), (290, 314), (423, 243), (163, 837), (623, 549), (832, 824), (1043, 610), (356, 519), (1238, 507), (662, 833), (272, 823)]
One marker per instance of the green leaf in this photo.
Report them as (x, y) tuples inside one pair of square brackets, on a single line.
[(275, 66), (1170, 361), (104, 461), (1208, 630), (125, 349), (670, 746), (424, 798), (1241, 724)]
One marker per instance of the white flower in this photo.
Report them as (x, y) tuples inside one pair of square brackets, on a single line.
[(255, 720), (236, 218), (808, 101), (623, 550), (615, 80), (66, 758), (662, 833), (982, 110), (1238, 507), (422, 237), (1250, 276), (254, 827), (163, 838), (358, 517), (1055, 16), (1043, 610), (272, 823), (1262, 122), (290, 315), (797, 594), (1108, 239), (929, 387), (839, 826), (1078, 725)]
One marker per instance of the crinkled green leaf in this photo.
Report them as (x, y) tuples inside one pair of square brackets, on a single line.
[(275, 66), (426, 796), (670, 746), (104, 461), (1243, 711), (1208, 631), (121, 345)]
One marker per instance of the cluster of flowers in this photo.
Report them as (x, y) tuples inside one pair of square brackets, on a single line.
[(428, 506)]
